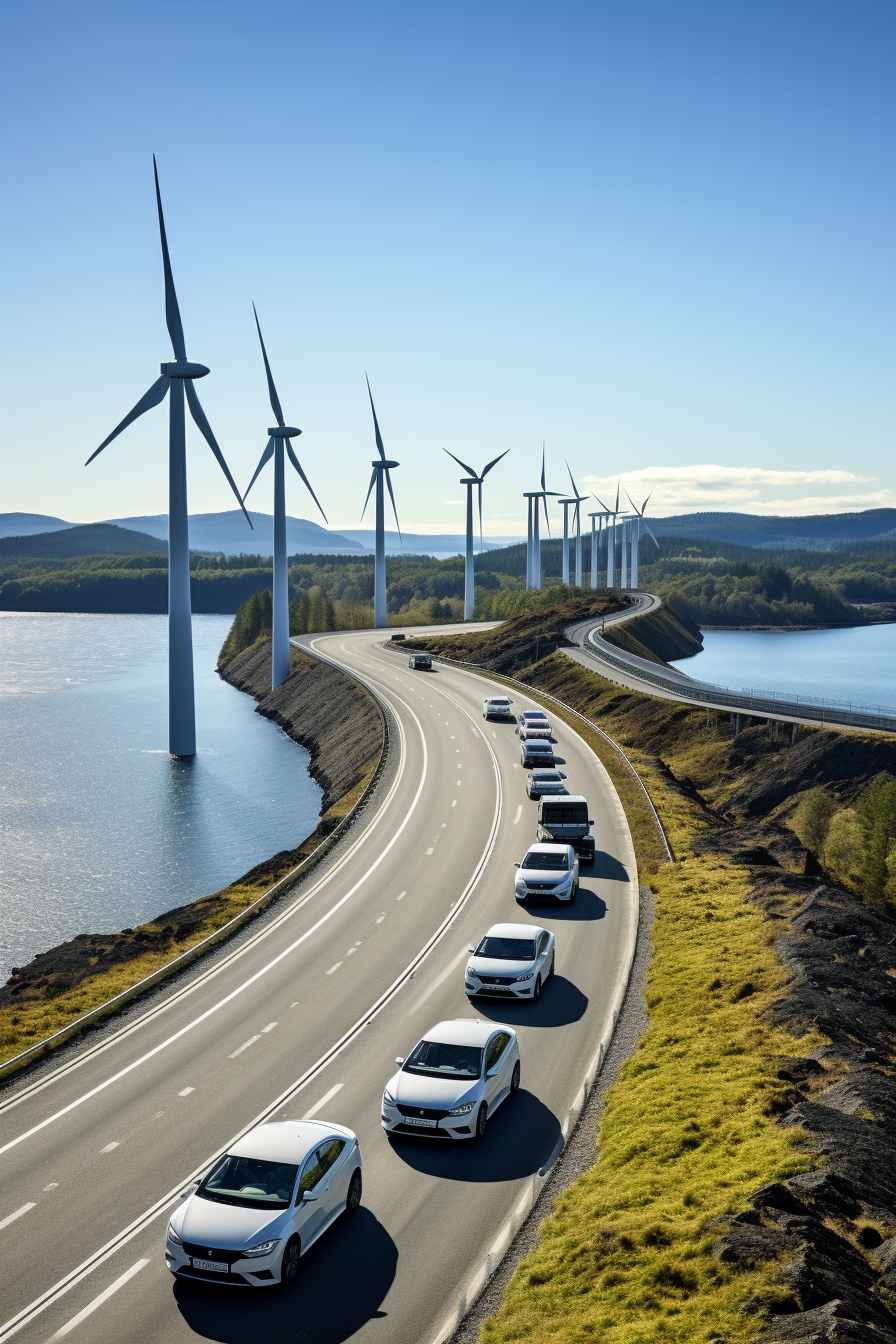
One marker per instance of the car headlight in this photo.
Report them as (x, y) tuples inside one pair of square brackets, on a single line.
[(519, 884), (527, 976), (263, 1247), (463, 1110), (471, 974), (388, 1099), (172, 1236)]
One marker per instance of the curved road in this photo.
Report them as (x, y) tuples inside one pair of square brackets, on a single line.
[(306, 1016)]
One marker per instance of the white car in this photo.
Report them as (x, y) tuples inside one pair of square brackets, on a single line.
[(547, 872), (497, 707), (453, 1081), (512, 961), (264, 1203), (540, 781)]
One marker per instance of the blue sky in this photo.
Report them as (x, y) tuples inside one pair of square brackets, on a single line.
[(657, 234)]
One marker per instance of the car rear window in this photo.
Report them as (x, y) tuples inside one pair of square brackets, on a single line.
[(546, 776), (538, 859), (562, 813)]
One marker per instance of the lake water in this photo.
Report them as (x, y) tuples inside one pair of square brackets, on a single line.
[(102, 829), (855, 666)]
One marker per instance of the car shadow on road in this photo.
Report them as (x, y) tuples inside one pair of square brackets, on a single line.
[(317, 1307), (519, 1139), (586, 906), (561, 1003), (604, 865)]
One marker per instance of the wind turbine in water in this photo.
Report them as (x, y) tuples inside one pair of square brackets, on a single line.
[(469, 481), (177, 377), (533, 543), (278, 440), (381, 467), (636, 535)]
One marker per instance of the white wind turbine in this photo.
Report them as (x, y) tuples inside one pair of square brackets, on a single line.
[(381, 467), (177, 377), (597, 539), (278, 440), (611, 538), (469, 481), (636, 535), (533, 545), (578, 500)]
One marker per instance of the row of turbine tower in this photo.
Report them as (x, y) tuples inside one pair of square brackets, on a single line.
[(176, 380)]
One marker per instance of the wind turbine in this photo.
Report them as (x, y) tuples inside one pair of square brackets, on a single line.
[(278, 439), (381, 467), (597, 535), (636, 535), (611, 540), (469, 481), (578, 500), (533, 547), (177, 377)]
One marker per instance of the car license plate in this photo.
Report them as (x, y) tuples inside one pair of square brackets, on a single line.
[(211, 1264), (424, 1124)]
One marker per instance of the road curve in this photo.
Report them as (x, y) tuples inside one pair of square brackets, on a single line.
[(312, 1009)]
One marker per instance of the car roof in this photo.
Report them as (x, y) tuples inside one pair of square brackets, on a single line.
[(573, 798), (514, 931), (548, 770), (461, 1031), (286, 1140), (545, 848), (540, 744), (505, 698)]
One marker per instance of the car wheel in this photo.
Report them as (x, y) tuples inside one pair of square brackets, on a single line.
[(536, 993), (289, 1265), (515, 1079), (574, 893), (353, 1198), (481, 1120)]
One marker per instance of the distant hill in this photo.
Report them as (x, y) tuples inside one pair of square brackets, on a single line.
[(91, 539), (25, 524), (229, 533), (423, 543), (816, 532)]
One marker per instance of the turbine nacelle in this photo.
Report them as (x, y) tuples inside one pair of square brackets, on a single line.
[(183, 368), (384, 464), (284, 432)]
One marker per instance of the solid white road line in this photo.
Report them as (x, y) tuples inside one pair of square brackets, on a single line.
[(327, 1096), (98, 1301), (245, 1045), (11, 1217)]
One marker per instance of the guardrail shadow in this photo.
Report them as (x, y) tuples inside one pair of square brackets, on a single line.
[(519, 1139), (317, 1307), (561, 1003)]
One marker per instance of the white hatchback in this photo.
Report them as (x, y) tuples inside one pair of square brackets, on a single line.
[(453, 1081), (264, 1203), (512, 961)]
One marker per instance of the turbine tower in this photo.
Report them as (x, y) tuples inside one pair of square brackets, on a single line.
[(381, 467), (278, 440), (597, 538), (636, 535), (578, 500), (177, 377), (564, 570), (533, 548), (611, 540), (469, 481)]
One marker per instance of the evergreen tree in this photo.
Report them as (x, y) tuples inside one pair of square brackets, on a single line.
[(876, 810), (812, 818)]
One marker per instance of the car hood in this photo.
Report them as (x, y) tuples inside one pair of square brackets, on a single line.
[(225, 1225), (441, 1093), (493, 966), (552, 875)]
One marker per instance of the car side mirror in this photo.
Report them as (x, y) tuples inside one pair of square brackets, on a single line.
[(308, 1196), (590, 821), (472, 951), (493, 1073), (399, 1059), (516, 865)]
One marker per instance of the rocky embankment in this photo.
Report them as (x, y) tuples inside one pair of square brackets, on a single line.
[(659, 636), (341, 727)]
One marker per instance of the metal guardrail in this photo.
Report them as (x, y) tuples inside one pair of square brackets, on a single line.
[(763, 705)]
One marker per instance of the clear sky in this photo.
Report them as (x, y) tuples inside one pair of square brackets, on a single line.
[(657, 234)]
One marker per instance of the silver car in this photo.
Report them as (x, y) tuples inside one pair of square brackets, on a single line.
[(540, 781), (498, 707), (512, 961), (548, 872), (453, 1081)]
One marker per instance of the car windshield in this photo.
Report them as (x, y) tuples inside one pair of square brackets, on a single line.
[(547, 776), (250, 1182), (538, 859), (507, 949), (452, 1061)]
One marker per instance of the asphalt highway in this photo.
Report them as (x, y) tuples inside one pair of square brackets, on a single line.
[(306, 1017)]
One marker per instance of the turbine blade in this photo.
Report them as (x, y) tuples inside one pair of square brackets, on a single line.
[(468, 470), (575, 488), (265, 458), (479, 487), (172, 312), (376, 426), (616, 510), (394, 510), (652, 537), (542, 465), (601, 503), (631, 501), (544, 500), (298, 466), (369, 488), (272, 391), (205, 430), (644, 505), (494, 462), (149, 399)]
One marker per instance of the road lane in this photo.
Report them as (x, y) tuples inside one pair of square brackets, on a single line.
[(428, 1216)]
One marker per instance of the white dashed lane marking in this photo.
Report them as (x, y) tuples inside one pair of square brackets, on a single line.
[(11, 1217), (327, 1096), (270, 1027), (98, 1301), (186, 1092), (334, 968), (245, 1045), (519, 813), (110, 1147)]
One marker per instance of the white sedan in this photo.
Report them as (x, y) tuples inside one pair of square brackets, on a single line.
[(512, 961), (453, 1081), (264, 1203), (547, 872)]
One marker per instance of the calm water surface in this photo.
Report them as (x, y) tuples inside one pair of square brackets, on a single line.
[(101, 828), (856, 666)]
